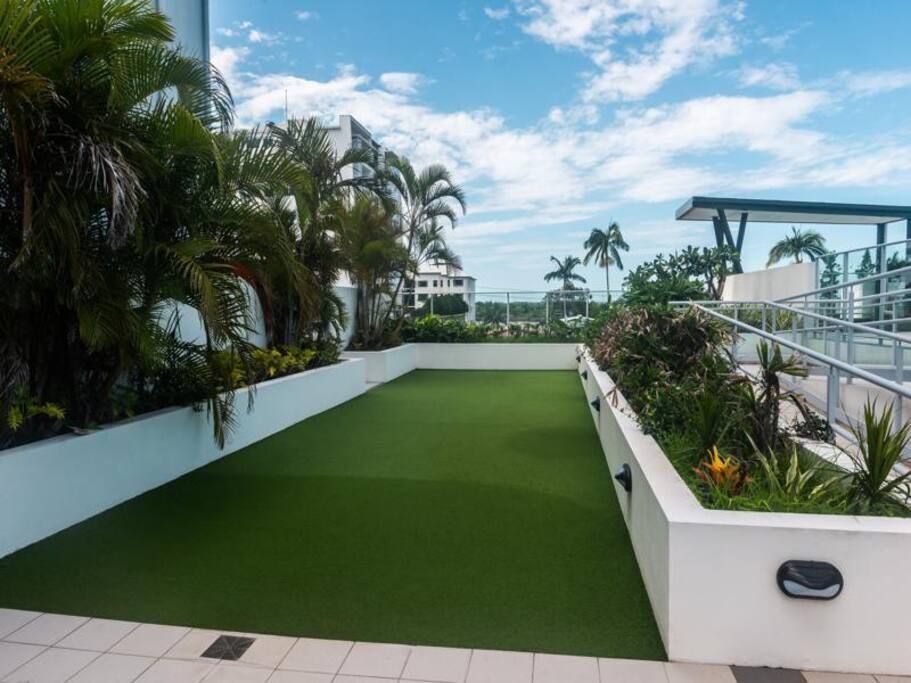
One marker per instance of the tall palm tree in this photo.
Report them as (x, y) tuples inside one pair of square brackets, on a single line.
[(799, 243), (605, 247), (564, 270), (427, 202), (121, 197), (325, 179)]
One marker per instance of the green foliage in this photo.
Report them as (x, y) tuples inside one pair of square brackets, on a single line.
[(604, 246), (565, 271), (793, 481), (433, 328), (448, 304), (25, 417), (879, 449), (691, 274), (798, 244)]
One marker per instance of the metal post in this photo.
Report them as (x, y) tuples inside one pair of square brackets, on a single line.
[(547, 310), (507, 312), (763, 317), (851, 351), (774, 313), (734, 336), (431, 303), (831, 394), (894, 316), (794, 326), (844, 275), (587, 296), (899, 359)]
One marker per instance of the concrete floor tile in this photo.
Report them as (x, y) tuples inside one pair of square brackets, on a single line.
[(316, 655), (111, 668), (99, 635), (631, 671), (565, 669), (54, 665), (493, 666), (47, 629), (445, 664), (376, 659), (150, 640)]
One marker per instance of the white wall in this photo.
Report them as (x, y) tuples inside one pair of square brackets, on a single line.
[(771, 283), (348, 295), (494, 356), (710, 574), (385, 366), (50, 485), (190, 19)]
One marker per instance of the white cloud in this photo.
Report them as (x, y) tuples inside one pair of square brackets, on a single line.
[(869, 83), (245, 24), (256, 36), (402, 81), (572, 168), (226, 59), (228, 32), (304, 15), (776, 75), (672, 36), (497, 14)]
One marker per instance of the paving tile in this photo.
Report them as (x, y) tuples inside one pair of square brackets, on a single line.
[(99, 635), (150, 640), (698, 673), (445, 664), (492, 666), (234, 673), (359, 679), (54, 665), (825, 677), (299, 677), (14, 655), (111, 668), (893, 679), (14, 619), (760, 674), (267, 651), (376, 659), (176, 671), (46, 629), (631, 671), (317, 655), (565, 669)]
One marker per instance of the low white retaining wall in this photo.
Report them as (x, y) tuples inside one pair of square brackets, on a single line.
[(386, 365), (710, 574), (495, 356), (50, 485)]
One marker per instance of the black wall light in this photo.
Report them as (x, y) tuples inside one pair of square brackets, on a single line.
[(625, 477), (807, 580), (578, 357), (584, 374), (596, 404)]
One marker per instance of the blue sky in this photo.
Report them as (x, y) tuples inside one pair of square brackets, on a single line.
[(560, 115)]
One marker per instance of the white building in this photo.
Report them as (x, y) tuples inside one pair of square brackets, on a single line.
[(437, 280), (351, 134), (190, 19)]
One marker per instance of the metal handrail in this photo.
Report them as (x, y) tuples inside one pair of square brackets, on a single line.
[(831, 288), (872, 247), (835, 365)]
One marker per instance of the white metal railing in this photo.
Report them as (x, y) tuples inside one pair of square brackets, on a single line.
[(879, 259), (835, 367)]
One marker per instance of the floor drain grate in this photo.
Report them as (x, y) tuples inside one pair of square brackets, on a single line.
[(228, 647)]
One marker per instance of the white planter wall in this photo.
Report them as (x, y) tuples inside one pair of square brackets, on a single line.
[(710, 574), (496, 356), (771, 283), (385, 366), (50, 485)]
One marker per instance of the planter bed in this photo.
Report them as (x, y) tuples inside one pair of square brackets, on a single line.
[(50, 485), (711, 574), (388, 364)]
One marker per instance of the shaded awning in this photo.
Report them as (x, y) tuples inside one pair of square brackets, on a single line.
[(780, 211)]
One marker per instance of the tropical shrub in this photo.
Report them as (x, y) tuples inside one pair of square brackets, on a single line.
[(433, 328), (875, 483)]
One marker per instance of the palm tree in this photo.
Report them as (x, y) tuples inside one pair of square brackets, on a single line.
[(564, 271), (427, 201), (374, 255), (121, 197), (799, 243), (322, 183), (605, 247)]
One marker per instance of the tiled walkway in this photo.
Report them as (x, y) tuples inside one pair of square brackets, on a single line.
[(51, 648)]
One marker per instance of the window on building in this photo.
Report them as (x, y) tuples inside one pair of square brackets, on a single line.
[(434, 283), (422, 283), (458, 283)]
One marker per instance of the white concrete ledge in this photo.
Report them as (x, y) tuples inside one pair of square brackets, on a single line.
[(386, 365), (50, 485), (494, 356), (710, 574)]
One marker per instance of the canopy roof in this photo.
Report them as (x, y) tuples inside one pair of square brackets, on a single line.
[(779, 211)]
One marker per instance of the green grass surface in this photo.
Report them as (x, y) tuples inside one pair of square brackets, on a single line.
[(447, 508)]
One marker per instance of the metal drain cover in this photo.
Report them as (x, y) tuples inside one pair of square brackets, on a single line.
[(228, 647)]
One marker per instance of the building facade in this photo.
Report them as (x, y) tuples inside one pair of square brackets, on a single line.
[(190, 19), (349, 133), (438, 280)]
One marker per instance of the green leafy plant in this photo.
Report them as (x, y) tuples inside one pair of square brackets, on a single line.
[(792, 481), (25, 417), (879, 449)]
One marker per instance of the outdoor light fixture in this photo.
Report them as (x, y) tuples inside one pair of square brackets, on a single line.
[(596, 404), (584, 374), (808, 580), (578, 357), (625, 477)]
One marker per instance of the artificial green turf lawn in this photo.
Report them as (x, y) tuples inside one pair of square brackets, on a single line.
[(468, 509)]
